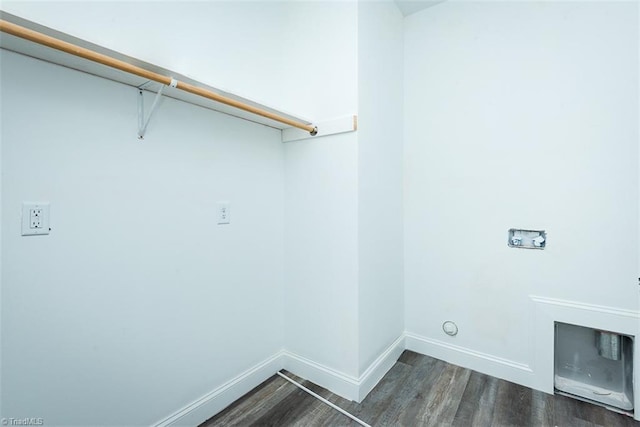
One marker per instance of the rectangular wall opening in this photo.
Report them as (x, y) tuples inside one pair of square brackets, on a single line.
[(594, 365)]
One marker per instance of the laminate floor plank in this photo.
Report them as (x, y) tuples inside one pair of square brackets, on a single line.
[(407, 392), (411, 358), (512, 405), (572, 412), (443, 399), (343, 403), (477, 402), (542, 409), (293, 408), (246, 410), (428, 371), (323, 415), (417, 391), (610, 418), (373, 410)]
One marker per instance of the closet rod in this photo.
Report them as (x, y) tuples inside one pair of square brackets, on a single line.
[(52, 42)]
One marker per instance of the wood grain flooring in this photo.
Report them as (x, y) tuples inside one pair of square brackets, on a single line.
[(417, 391)]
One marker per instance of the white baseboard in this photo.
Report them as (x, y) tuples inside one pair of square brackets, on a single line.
[(374, 373), (545, 312), (538, 373), (341, 384), (356, 389), (215, 401), (471, 359), (349, 387)]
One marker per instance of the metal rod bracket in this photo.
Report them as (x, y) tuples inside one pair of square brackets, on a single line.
[(142, 122)]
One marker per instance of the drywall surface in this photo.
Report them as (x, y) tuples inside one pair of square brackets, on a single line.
[(319, 68), (280, 53), (296, 56), (518, 115), (380, 94), (137, 303), (321, 196), (321, 251)]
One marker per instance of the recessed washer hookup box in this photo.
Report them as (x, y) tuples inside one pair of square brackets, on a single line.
[(594, 365), (527, 239)]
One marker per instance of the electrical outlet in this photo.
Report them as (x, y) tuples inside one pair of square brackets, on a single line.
[(35, 218), (224, 212)]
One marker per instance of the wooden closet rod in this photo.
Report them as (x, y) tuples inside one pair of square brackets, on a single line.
[(52, 42)]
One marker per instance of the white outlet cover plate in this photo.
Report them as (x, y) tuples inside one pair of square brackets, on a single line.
[(43, 229), (223, 210)]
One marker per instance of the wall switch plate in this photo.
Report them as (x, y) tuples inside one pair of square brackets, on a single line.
[(35, 218), (223, 210)]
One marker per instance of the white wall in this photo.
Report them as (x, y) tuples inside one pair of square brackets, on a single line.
[(321, 196), (298, 56), (518, 115), (137, 303), (319, 59), (226, 44), (321, 250), (380, 96), (343, 245)]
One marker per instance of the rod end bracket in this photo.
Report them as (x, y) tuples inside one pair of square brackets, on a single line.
[(314, 132)]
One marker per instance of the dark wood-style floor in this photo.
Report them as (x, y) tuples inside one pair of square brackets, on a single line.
[(417, 391)]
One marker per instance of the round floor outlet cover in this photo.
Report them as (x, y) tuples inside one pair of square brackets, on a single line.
[(450, 328)]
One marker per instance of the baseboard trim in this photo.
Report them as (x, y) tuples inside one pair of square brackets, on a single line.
[(215, 401), (374, 373), (339, 383), (346, 386), (546, 311), (349, 387), (499, 367)]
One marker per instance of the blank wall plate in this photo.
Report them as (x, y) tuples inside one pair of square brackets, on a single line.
[(35, 218)]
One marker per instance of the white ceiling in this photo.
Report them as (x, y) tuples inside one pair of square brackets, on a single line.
[(407, 7)]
